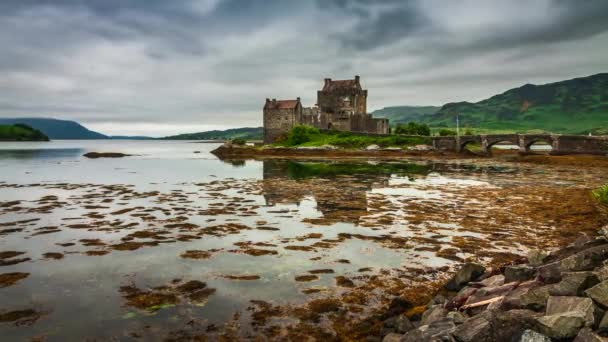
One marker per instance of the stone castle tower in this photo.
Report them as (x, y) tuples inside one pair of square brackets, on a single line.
[(341, 105)]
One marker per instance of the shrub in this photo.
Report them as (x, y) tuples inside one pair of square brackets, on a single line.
[(300, 134), (413, 128), (238, 141), (468, 131), (601, 194), (446, 132)]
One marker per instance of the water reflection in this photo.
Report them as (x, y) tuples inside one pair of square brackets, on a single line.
[(57, 153)]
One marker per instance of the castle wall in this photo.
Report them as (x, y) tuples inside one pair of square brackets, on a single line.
[(277, 122)]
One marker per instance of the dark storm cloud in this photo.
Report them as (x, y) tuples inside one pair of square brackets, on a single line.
[(197, 63)]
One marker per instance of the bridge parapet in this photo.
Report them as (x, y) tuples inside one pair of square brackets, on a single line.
[(560, 144)]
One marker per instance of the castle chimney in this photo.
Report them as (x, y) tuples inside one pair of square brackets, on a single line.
[(298, 99), (357, 79), (327, 80), (274, 101)]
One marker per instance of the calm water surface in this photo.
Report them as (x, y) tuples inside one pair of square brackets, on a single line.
[(275, 220)]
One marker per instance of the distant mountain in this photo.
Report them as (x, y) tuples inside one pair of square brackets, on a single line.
[(21, 132), (576, 106), (56, 129), (248, 133), (404, 114), (129, 137)]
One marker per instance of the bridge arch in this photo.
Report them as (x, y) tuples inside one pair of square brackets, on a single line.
[(465, 140), (488, 141), (529, 140)]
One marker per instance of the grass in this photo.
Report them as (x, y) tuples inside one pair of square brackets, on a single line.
[(601, 194), (20, 132), (308, 136)]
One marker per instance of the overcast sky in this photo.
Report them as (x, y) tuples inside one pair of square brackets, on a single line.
[(159, 67)]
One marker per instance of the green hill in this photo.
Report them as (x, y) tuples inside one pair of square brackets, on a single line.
[(248, 133), (404, 114), (576, 106), (56, 129), (21, 132)]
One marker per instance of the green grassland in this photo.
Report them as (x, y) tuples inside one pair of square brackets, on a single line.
[(300, 170), (20, 132), (308, 136)]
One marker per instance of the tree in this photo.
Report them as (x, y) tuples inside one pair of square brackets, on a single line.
[(413, 128)]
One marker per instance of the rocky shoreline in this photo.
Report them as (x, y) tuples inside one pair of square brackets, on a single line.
[(558, 296), (227, 151)]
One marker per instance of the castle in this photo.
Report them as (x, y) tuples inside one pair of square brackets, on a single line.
[(341, 105)]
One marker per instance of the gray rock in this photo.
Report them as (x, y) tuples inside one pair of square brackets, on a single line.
[(474, 329), (550, 273), (602, 272), (437, 331), (467, 273), (563, 325), (493, 281), (508, 325), (536, 257), (519, 273), (403, 324), (457, 317), (574, 284), (599, 293), (533, 336), (392, 337), (603, 231), (435, 313), (562, 304), (602, 327), (585, 260), (587, 335), (535, 298)]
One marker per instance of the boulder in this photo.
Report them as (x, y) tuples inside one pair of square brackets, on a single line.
[(583, 306), (574, 284), (585, 260), (493, 281), (372, 147), (533, 336), (474, 329), (396, 307), (436, 331), (563, 325), (602, 272), (508, 325), (587, 335), (599, 293), (465, 274), (457, 317), (535, 298), (519, 273), (399, 324), (550, 273), (392, 337), (536, 257), (435, 313), (602, 327)]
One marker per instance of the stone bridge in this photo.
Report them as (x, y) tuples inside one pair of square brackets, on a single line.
[(560, 144)]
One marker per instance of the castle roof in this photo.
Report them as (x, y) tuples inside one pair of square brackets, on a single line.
[(341, 84), (281, 104)]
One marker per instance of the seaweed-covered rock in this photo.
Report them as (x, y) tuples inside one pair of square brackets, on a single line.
[(465, 274)]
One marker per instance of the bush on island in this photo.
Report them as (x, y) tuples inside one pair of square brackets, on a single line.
[(238, 141), (413, 128)]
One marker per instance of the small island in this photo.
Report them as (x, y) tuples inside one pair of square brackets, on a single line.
[(21, 132)]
